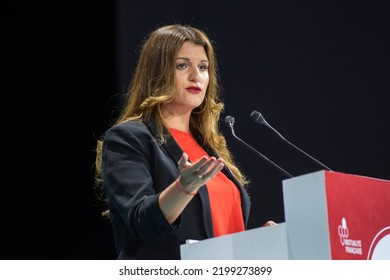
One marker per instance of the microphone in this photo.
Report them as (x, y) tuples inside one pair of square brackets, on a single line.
[(258, 118), (229, 120)]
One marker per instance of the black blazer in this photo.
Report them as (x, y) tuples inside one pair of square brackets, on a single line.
[(136, 169)]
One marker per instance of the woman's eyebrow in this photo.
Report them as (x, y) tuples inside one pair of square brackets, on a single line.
[(187, 59)]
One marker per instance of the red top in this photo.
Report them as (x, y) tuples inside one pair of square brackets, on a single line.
[(225, 199)]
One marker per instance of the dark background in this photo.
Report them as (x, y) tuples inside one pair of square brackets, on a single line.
[(317, 70)]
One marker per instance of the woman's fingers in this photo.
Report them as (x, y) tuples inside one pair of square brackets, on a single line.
[(210, 169), (183, 160), (199, 172), (269, 223)]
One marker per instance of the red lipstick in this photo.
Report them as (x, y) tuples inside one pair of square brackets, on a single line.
[(194, 89)]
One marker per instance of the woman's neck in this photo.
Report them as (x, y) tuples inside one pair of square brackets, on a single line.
[(176, 120)]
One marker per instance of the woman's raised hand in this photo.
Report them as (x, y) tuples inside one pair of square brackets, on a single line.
[(194, 175)]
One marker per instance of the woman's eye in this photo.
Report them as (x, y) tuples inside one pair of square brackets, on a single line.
[(203, 67), (181, 66)]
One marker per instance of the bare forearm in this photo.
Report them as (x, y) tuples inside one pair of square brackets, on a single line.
[(173, 200)]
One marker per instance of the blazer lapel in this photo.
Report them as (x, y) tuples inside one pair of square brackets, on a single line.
[(203, 195), (170, 146)]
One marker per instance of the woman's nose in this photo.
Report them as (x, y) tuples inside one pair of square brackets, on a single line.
[(194, 74)]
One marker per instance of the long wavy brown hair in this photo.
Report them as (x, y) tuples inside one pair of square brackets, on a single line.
[(153, 84)]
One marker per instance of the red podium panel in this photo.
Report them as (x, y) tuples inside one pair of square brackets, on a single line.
[(333, 215), (359, 216), (329, 215)]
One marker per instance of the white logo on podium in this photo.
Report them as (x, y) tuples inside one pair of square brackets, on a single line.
[(352, 246)]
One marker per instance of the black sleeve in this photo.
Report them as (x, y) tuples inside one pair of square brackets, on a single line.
[(128, 158)]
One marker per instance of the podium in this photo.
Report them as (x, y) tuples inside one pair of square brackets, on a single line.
[(328, 216), (254, 244)]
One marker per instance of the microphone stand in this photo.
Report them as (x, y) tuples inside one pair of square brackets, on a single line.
[(230, 123), (258, 118)]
